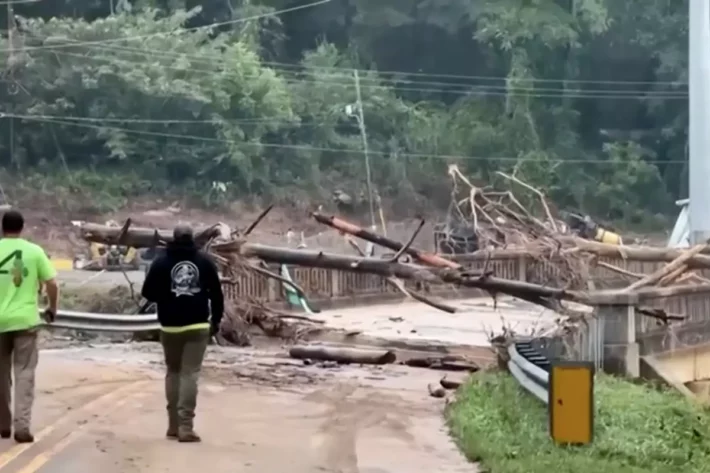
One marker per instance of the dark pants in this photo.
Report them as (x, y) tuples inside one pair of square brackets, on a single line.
[(184, 352), (18, 353)]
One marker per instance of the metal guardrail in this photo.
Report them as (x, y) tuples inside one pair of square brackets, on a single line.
[(530, 368), (70, 319)]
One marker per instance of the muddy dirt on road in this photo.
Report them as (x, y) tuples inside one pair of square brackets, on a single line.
[(102, 408)]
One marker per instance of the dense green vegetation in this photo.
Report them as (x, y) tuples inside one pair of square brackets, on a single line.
[(585, 98), (637, 430)]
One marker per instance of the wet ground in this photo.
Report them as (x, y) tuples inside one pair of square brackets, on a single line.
[(100, 407), (471, 325)]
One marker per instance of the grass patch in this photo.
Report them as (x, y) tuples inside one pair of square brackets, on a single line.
[(637, 429)]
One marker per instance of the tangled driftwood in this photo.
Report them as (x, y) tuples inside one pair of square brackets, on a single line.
[(505, 227)]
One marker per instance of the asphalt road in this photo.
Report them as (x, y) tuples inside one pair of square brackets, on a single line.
[(102, 409), (99, 278)]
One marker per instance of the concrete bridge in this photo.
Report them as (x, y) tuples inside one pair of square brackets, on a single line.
[(621, 339)]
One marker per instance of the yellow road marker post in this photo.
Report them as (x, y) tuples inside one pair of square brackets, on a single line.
[(571, 403)]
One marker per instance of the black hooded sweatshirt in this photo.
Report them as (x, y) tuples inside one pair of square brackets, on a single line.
[(184, 284)]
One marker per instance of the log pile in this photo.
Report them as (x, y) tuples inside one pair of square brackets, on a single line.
[(506, 227)]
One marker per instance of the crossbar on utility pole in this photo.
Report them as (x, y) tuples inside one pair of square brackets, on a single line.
[(699, 116), (365, 147)]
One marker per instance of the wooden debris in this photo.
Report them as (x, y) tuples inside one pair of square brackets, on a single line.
[(671, 271), (343, 355), (437, 392), (139, 237), (447, 363), (637, 253), (505, 229), (449, 383)]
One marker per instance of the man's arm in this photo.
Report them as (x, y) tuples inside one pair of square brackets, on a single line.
[(150, 283), (214, 290), (47, 275)]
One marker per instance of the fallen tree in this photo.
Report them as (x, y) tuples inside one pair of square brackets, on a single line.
[(236, 253), (637, 253), (140, 237), (511, 232), (342, 355)]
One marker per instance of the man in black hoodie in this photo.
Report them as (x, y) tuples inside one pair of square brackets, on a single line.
[(184, 284)]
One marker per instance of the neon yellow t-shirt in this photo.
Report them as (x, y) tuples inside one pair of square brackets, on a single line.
[(23, 265)]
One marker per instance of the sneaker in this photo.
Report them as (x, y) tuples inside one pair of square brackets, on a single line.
[(172, 434), (6, 433), (24, 437)]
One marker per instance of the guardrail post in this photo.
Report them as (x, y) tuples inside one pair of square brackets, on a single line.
[(621, 351), (273, 290), (522, 269), (335, 284)]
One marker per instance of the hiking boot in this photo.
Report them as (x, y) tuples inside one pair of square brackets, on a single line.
[(6, 433), (173, 423), (188, 437), (24, 437)]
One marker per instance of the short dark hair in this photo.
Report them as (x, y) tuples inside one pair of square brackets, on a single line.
[(12, 222), (183, 234)]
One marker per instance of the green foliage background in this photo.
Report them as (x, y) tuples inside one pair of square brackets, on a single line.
[(586, 99)]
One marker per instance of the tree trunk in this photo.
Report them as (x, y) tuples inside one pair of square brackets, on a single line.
[(343, 355), (317, 259), (138, 237), (638, 253), (354, 230)]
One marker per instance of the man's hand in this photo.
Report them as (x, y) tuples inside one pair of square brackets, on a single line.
[(53, 296), (49, 315)]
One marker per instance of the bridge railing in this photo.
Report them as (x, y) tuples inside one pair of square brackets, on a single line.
[(345, 288), (324, 284)]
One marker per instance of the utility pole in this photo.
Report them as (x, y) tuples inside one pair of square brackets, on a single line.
[(699, 116), (363, 132), (10, 66)]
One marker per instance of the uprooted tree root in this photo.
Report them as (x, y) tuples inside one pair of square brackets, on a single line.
[(240, 318)]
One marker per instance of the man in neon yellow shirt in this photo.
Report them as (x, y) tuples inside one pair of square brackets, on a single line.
[(23, 267)]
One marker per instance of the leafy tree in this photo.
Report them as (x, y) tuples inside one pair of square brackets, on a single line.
[(583, 98)]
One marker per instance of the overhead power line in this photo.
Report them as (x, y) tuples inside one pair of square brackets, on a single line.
[(177, 136), (299, 67), (345, 72), (181, 30), (289, 66), (474, 90)]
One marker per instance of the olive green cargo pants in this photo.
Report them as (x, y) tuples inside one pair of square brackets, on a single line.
[(18, 353), (184, 352)]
